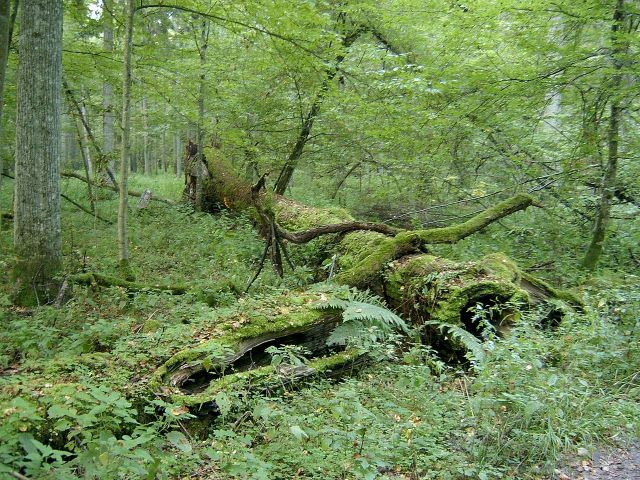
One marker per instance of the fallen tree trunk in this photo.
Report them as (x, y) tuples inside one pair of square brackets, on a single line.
[(426, 290), (131, 193)]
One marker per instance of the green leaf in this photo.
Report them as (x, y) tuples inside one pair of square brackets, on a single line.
[(178, 440), (299, 433)]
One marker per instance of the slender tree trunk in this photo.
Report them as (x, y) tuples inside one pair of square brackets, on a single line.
[(123, 240), (37, 236), (163, 151), (284, 178), (6, 27), (107, 89), (177, 153), (86, 157), (608, 185), (198, 165), (84, 148), (145, 137)]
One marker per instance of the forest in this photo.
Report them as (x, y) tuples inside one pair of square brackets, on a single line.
[(319, 239)]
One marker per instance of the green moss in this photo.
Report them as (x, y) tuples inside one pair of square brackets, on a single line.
[(288, 314), (264, 378), (366, 272), (499, 265), (450, 309), (571, 298), (457, 232), (35, 280)]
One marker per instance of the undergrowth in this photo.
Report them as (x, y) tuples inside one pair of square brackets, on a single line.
[(74, 401)]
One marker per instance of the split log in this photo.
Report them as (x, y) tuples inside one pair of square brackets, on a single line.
[(391, 262), (231, 354)]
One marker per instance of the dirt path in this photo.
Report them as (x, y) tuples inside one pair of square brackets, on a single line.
[(619, 464)]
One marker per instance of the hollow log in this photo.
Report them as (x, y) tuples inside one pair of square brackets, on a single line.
[(231, 355), (391, 262)]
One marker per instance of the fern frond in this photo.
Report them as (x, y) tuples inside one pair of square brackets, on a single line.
[(375, 313), (360, 311), (467, 339)]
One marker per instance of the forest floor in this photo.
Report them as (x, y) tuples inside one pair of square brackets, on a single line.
[(75, 379)]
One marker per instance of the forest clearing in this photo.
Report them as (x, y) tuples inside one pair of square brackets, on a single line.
[(321, 239)]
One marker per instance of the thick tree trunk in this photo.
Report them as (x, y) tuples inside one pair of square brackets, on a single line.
[(6, 28), (37, 236)]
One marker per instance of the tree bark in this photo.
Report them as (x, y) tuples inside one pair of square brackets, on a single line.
[(145, 137), (6, 28), (86, 160), (108, 115), (197, 165), (608, 186), (123, 237), (177, 154), (37, 235)]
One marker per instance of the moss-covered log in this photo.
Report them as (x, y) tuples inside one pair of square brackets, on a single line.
[(232, 354), (391, 262), (206, 294)]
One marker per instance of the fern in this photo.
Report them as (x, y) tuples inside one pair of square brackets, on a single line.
[(474, 346), (364, 316)]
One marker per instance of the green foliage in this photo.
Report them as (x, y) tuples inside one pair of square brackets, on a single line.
[(365, 318), (475, 350), (422, 125)]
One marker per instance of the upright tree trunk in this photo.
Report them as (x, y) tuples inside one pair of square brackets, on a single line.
[(6, 24), (177, 154), (553, 98), (107, 89), (85, 143), (123, 238), (145, 137), (198, 165), (303, 137), (37, 236), (608, 185), (86, 160)]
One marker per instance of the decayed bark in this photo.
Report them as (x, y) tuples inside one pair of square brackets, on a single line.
[(389, 261), (37, 235)]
